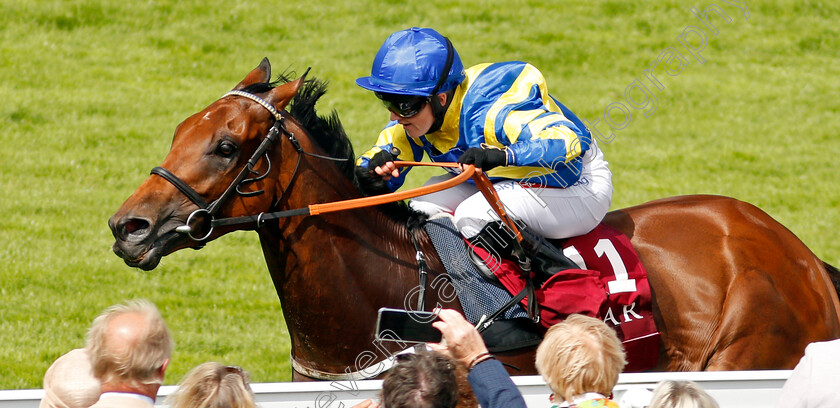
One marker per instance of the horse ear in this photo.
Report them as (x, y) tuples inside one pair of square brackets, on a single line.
[(262, 73), (283, 94)]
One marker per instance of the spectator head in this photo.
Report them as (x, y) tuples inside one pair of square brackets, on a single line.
[(212, 385), (422, 380), (681, 394), (130, 344), (578, 355), (69, 383)]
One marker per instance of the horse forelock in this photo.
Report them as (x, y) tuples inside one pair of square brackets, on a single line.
[(328, 133)]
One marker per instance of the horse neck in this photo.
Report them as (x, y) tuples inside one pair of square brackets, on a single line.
[(333, 271), (329, 244)]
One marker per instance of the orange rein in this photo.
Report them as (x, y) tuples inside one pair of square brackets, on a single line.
[(481, 181)]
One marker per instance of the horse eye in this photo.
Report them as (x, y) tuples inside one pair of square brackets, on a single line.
[(226, 149)]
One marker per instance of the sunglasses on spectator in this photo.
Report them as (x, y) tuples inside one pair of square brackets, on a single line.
[(404, 106)]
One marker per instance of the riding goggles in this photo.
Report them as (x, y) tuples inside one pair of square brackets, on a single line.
[(405, 106)]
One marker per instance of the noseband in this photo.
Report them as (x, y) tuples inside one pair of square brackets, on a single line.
[(202, 219)]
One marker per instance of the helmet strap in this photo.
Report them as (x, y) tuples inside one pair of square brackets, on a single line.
[(444, 75), (437, 109)]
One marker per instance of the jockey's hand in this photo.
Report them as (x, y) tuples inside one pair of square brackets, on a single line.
[(382, 163), (462, 341), (484, 158)]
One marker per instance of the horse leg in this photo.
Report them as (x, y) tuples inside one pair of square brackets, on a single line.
[(756, 322)]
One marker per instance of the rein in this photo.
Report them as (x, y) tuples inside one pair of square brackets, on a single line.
[(356, 203), (201, 222)]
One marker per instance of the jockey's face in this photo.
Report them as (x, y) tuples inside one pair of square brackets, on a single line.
[(419, 124)]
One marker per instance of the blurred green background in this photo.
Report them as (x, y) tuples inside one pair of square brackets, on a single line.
[(92, 92)]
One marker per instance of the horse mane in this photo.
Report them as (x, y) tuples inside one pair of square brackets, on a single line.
[(328, 133)]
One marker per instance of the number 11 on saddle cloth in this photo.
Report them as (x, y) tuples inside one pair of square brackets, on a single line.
[(611, 284)]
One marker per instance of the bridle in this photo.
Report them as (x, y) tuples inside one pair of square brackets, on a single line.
[(200, 223)]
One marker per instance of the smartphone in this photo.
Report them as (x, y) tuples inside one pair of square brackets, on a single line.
[(406, 326)]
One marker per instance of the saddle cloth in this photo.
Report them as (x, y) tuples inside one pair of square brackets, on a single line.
[(611, 284)]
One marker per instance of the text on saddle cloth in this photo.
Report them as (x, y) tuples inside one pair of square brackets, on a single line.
[(611, 284)]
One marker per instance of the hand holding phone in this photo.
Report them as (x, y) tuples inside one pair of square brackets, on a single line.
[(463, 342)]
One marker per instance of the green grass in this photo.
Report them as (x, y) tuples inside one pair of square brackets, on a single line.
[(93, 90)]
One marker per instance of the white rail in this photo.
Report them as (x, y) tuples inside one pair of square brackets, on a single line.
[(735, 389)]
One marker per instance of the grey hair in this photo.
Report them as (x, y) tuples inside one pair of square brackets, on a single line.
[(141, 362)]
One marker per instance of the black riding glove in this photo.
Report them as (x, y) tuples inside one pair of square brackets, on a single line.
[(484, 158), (371, 183), (383, 157)]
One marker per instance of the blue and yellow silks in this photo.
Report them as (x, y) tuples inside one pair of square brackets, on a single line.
[(505, 105)]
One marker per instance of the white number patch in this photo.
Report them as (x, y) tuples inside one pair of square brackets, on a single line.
[(621, 283)]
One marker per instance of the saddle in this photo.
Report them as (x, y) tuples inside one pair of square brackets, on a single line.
[(607, 281)]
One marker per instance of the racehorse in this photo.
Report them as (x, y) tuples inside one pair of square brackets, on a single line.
[(732, 288)]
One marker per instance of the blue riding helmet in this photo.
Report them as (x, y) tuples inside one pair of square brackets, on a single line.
[(410, 62)]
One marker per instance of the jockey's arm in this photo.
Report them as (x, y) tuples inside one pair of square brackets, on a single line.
[(550, 147)]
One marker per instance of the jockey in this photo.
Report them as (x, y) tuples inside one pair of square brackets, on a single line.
[(546, 167)]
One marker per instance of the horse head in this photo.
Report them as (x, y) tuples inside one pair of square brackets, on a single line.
[(211, 171)]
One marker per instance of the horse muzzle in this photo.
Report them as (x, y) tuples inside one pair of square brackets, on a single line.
[(139, 243)]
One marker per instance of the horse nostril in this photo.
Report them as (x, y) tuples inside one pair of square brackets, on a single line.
[(133, 228)]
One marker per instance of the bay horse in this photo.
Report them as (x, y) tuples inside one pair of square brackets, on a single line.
[(732, 288)]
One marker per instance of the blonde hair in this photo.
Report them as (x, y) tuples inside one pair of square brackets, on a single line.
[(681, 394), (212, 385), (578, 355), (138, 364)]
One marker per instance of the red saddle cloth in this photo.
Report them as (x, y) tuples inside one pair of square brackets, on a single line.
[(611, 285)]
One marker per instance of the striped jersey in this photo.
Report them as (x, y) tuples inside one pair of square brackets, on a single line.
[(504, 104)]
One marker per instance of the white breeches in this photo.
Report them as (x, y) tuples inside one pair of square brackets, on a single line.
[(551, 212)]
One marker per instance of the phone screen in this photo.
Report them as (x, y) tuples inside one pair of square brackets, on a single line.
[(407, 326)]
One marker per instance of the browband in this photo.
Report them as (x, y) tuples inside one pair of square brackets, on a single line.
[(258, 100)]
